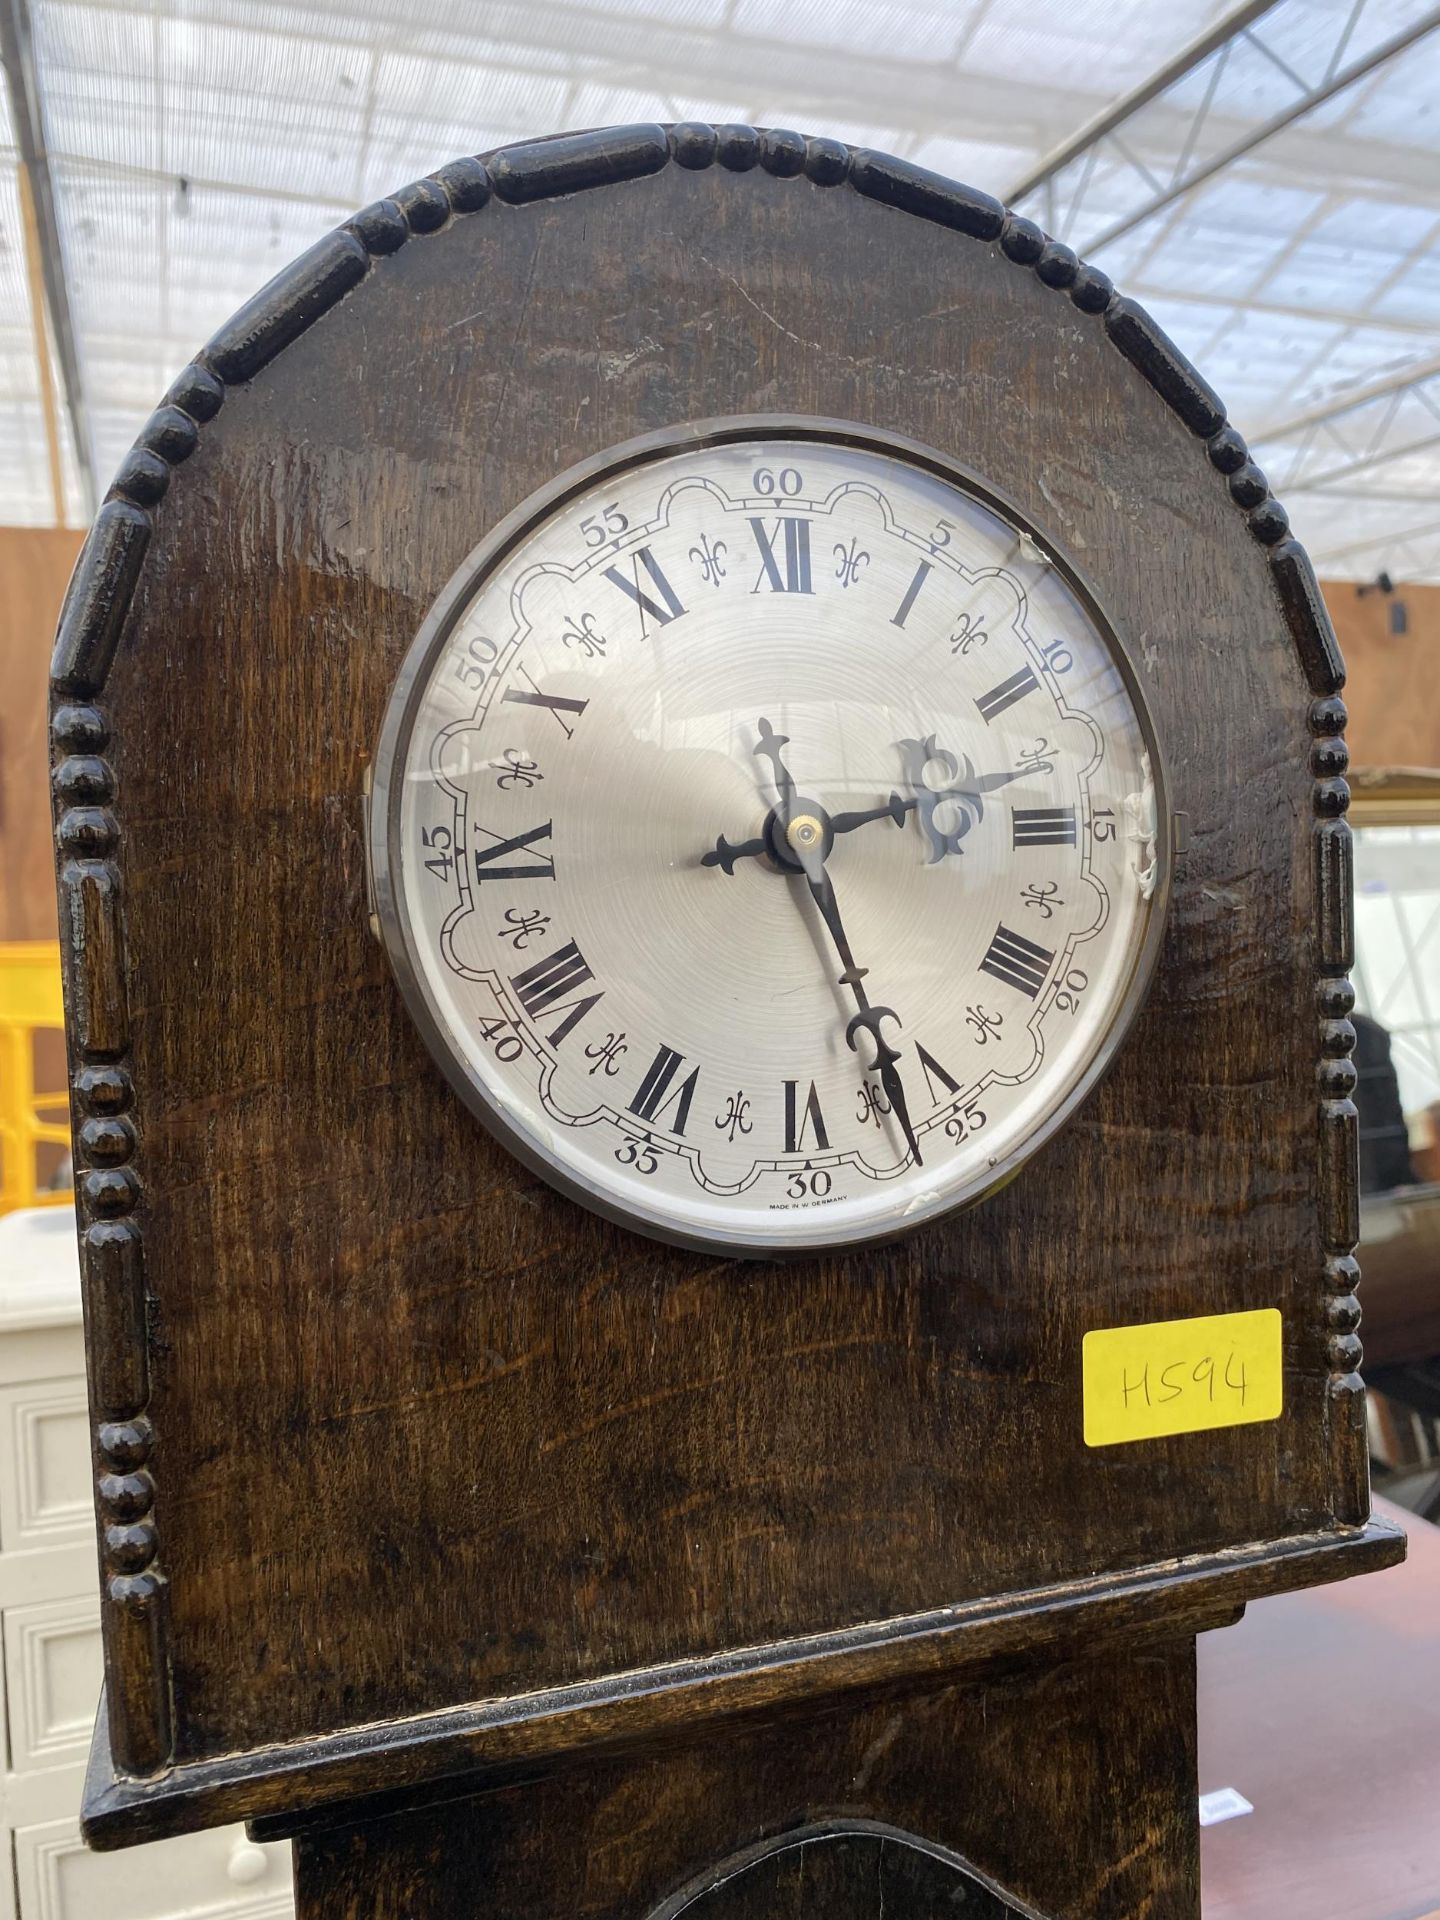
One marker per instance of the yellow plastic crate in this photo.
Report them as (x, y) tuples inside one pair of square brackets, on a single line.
[(29, 1000)]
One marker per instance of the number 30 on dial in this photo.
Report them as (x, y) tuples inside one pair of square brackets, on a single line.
[(769, 836)]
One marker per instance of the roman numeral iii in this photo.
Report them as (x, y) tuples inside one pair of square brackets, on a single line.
[(796, 575), (1017, 961), (1042, 826)]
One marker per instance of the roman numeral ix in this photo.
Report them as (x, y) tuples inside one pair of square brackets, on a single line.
[(540, 986), (1017, 961)]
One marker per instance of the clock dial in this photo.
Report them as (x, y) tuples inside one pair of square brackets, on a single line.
[(766, 838)]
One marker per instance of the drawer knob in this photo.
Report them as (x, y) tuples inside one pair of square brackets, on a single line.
[(247, 1863)]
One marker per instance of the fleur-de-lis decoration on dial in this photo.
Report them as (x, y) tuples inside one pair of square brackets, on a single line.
[(736, 1117), (1044, 895), (969, 632), (849, 561), (708, 555), (581, 631), (523, 925), (983, 1024), (515, 769), (606, 1055)]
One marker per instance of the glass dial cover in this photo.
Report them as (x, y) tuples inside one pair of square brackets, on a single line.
[(766, 836)]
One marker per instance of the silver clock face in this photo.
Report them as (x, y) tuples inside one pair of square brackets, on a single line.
[(767, 836)]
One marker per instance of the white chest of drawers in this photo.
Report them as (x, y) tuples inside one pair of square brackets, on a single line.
[(50, 1633)]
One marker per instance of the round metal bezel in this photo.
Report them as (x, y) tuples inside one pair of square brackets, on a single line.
[(387, 787)]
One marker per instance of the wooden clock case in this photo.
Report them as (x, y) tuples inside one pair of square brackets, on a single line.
[(465, 1534)]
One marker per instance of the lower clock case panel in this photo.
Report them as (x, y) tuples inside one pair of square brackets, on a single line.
[(1055, 1791), (922, 1798)]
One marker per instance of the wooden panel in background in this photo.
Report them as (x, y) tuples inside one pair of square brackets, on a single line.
[(1390, 689), (35, 565)]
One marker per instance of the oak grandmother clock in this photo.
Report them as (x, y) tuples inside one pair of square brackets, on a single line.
[(705, 905)]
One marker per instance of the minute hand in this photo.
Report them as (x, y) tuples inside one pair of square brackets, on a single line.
[(823, 893)]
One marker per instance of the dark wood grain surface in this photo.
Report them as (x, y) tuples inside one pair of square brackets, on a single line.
[(840, 1868), (430, 1433), (426, 1432), (1070, 1788), (278, 1788)]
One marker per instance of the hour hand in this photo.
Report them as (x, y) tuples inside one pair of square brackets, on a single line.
[(895, 808), (768, 748), (919, 754), (725, 853), (962, 797)]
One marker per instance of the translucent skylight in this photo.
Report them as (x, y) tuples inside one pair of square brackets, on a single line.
[(197, 145)]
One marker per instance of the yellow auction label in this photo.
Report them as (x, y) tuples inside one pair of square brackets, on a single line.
[(1181, 1376)]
